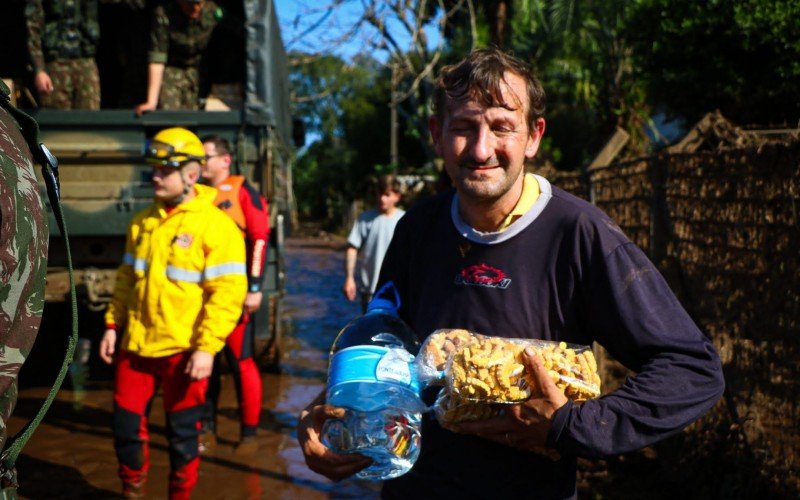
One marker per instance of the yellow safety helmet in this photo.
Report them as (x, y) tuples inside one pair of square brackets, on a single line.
[(173, 147)]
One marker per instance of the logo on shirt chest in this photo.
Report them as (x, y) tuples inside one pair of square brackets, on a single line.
[(483, 275), (183, 240)]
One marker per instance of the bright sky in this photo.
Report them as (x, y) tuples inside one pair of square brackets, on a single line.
[(310, 26)]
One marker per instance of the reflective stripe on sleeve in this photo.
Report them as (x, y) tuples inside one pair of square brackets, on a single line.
[(178, 274), (229, 268), (137, 264), (225, 269)]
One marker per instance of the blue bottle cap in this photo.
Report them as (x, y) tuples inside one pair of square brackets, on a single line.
[(381, 304), (387, 298)]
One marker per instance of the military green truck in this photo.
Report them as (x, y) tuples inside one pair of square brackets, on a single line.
[(104, 180)]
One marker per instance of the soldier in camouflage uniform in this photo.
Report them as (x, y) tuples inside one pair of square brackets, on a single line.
[(23, 259), (130, 40), (62, 40), (179, 35)]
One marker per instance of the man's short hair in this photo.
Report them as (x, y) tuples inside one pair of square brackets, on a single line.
[(388, 182), (478, 77), (221, 145)]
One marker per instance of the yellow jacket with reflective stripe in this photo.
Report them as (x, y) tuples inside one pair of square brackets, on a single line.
[(182, 282)]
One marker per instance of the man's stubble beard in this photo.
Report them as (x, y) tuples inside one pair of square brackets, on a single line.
[(483, 190)]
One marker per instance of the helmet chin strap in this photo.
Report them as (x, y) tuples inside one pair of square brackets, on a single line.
[(187, 188)]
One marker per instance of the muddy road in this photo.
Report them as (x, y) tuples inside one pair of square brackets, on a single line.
[(71, 455)]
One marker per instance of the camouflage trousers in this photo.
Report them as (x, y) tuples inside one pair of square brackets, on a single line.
[(76, 84), (180, 88), (23, 261)]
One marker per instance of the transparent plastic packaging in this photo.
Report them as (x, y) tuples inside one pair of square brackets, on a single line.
[(481, 374)]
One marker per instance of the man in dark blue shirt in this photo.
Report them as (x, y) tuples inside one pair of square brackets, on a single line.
[(509, 255)]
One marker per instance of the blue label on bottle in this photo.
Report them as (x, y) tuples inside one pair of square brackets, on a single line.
[(373, 364)]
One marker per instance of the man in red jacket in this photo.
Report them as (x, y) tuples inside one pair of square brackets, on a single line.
[(248, 208)]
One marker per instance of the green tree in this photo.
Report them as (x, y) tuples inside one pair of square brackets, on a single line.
[(318, 84), (345, 107), (580, 52), (742, 58), (606, 64)]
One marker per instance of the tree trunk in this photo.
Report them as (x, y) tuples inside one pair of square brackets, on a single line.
[(498, 12)]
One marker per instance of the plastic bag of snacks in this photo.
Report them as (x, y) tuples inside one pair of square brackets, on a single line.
[(481, 374), (435, 351)]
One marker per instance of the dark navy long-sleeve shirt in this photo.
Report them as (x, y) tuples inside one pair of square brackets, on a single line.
[(563, 272)]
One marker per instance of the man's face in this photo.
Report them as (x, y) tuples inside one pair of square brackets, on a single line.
[(167, 184), (387, 201), (484, 148), (191, 9), (217, 167)]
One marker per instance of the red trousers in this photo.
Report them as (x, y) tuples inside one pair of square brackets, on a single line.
[(136, 382), (239, 353)]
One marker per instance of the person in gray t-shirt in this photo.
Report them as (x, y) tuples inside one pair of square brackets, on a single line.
[(370, 237)]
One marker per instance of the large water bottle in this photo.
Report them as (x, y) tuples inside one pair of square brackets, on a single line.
[(372, 376)]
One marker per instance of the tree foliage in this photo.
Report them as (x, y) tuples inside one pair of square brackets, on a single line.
[(740, 57), (580, 52), (345, 108), (604, 64)]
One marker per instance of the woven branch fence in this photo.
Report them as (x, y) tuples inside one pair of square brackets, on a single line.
[(723, 226)]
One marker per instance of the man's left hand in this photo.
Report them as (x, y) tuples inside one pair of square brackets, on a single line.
[(525, 425), (252, 301), (200, 365)]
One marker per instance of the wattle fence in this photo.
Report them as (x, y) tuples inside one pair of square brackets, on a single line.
[(724, 228)]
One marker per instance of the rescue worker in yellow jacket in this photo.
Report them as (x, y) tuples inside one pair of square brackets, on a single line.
[(178, 294)]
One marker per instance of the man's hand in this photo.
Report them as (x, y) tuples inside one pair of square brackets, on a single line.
[(525, 425), (252, 301), (108, 345), (43, 83), (320, 458), (349, 289), (199, 365), (145, 107)]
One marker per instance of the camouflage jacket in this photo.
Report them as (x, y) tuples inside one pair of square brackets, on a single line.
[(61, 29), (176, 40), (23, 258)]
